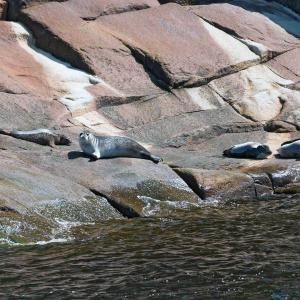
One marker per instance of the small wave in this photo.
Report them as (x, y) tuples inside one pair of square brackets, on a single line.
[(68, 224), (13, 233), (155, 206), (8, 242)]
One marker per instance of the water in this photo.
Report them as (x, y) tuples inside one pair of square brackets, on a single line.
[(237, 250)]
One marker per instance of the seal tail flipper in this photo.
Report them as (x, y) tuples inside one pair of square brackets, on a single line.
[(226, 152), (154, 158)]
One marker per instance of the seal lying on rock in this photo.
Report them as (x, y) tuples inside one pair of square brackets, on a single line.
[(113, 146), (39, 136), (290, 149), (249, 150)]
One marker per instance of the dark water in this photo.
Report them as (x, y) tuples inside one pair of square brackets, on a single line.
[(237, 250)]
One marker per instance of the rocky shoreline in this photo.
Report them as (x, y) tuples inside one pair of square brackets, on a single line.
[(186, 81)]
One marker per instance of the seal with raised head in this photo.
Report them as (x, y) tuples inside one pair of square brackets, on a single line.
[(290, 149), (40, 136), (113, 146), (249, 150)]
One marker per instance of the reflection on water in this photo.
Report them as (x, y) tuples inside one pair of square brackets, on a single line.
[(240, 250)]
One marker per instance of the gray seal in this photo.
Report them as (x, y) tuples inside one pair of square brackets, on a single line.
[(40, 136), (113, 146), (249, 150), (290, 149)]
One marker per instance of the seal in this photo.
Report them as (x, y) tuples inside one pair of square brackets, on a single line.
[(248, 150), (290, 149), (113, 146), (40, 136)]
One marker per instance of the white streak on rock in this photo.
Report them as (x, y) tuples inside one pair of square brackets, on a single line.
[(257, 48), (237, 51), (203, 102), (97, 122), (67, 81)]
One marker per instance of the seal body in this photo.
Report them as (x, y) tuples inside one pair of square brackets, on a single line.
[(290, 149), (40, 136), (113, 146), (249, 150), (290, 142)]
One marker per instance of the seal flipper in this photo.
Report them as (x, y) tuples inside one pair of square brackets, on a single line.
[(148, 155), (52, 142), (96, 155), (156, 159)]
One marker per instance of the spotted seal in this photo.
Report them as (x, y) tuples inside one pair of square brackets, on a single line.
[(113, 146), (40, 136), (290, 149), (249, 150)]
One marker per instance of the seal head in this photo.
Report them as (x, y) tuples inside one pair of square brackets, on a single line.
[(89, 144), (64, 140)]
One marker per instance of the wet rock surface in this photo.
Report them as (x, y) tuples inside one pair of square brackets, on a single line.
[(218, 184), (187, 81)]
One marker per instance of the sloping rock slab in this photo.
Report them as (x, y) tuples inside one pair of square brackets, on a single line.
[(25, 95), (92, 9), (249, 26), (258, 94), (287, 65), (24, 186), (177, 46), (61, 32), (284, 17), (38, 206), (125, 182), (154, 108), (10, 85), (190, 128), (17, 63)]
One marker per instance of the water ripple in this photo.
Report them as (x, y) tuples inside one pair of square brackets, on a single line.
[(241, 250)]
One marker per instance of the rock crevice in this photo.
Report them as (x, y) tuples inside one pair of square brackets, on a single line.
[(123, 209)]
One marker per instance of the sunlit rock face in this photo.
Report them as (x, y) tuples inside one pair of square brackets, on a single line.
[(186, 81), (171, 25)]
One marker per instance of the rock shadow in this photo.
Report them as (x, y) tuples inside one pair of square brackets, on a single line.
[(78, 154), (277, 156)]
